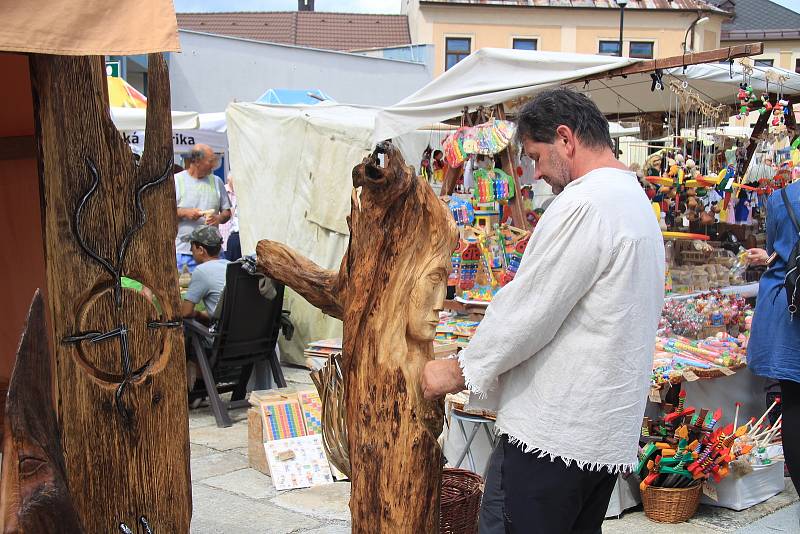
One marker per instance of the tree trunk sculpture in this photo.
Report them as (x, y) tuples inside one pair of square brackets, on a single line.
[(34, 497), (112, 290), (388, 292)]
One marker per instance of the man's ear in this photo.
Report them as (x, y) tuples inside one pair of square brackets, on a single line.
[(566, 137)]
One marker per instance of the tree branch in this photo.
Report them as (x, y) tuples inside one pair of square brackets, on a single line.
[(315, 284)]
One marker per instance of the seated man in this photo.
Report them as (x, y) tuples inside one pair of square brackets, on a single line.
[(208, 279)]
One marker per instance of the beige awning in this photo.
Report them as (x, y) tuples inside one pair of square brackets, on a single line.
[(88, 27)]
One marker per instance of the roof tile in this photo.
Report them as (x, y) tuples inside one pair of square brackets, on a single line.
[(332, 31)]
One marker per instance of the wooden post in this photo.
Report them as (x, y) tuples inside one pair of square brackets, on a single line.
[(508, 157), (389, 288), (119, 356)]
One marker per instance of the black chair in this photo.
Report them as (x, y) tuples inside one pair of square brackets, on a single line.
[(243, 338)]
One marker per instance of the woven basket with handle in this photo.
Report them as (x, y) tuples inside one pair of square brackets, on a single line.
[(671, 505), (461, 501)]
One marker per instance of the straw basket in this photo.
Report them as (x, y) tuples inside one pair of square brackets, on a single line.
[(671, 505), (461, 502)]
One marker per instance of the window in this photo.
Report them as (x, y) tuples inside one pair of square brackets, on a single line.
[(641, 49), (764, 62), (609, 48), (456, 49), (525, 44)]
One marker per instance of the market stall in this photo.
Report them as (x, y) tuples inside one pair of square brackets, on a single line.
[(702, 342)]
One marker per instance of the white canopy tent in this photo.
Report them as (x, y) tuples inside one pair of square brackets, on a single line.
[(132, 119), (493, 76)]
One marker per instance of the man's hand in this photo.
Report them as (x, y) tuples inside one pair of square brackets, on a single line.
[(440, 377), (190, 213), (218, 218), (757, 256)]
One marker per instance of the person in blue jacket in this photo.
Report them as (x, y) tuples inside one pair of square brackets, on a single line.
[(774, 347)]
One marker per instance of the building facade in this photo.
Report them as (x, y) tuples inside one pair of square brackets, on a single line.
[(762, 20), (651, 28), (213, 70)]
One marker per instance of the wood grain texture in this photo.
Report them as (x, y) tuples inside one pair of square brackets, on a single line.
[(390, 284), (34, 498), (126, 458)]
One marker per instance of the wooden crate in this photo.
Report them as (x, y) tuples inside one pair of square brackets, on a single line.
[(256, 456)]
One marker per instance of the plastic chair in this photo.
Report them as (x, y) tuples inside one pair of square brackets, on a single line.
[(244, 338)]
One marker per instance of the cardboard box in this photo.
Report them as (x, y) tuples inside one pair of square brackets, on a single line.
[(740, 493), (256, 456)]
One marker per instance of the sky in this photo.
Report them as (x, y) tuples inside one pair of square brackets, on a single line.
[(347, 6)]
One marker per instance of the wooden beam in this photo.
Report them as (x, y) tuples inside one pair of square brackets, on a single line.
[(708, 56), (17, 147), (508, 157)]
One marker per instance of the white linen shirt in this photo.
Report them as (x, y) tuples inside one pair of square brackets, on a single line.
[(566, 348)]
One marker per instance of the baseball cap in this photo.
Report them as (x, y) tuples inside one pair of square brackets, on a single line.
[(205, 235)]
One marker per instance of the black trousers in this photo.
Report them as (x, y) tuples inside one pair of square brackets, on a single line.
[(790, 408), (540, 496)]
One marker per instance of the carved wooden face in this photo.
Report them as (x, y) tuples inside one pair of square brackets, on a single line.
[(427, 299)]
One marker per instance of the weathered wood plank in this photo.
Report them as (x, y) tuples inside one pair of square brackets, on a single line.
[(708, 56), (124, 420)]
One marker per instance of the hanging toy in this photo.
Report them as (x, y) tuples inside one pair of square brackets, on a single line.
[(743, 98), (778, 112), (514, 261), (766, 105), (462, 211), (468, 266)]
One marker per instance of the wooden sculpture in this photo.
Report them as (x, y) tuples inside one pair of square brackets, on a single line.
[(388, 292), (34, 498), (120, 375)]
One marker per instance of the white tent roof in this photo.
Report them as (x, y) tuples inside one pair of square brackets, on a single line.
[(130, 119), (492, 76)]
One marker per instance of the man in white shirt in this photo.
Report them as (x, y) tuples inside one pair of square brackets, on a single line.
[(565, 350), (201, 199)]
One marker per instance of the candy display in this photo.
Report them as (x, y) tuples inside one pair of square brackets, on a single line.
[(709, 311)]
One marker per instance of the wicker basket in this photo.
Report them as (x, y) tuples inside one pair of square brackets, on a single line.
[(461, 501), (671, 505)]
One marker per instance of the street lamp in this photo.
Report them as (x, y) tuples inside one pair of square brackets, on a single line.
[(621, 4), (699, 20)]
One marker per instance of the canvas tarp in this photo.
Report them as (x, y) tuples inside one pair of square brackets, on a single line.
[(292, 167), (293, 174), (493, 76), (88, 27)]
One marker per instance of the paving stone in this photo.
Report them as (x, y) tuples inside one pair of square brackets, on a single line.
[(198, 451), (219, 512), (330, 528), (221, 439), (636, 522), (218, 463), (729, 520), (329, 501), (784, 520), (245, 482), (200, 418), (297, 375), (240, 450)]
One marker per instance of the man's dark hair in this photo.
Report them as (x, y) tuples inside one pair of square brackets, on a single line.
[(212, 251), (539, 118)]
